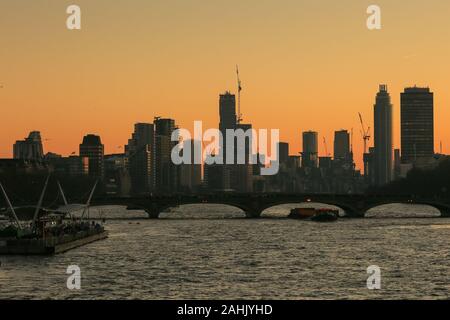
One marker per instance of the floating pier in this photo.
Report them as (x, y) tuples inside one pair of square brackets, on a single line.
[(51, 245)]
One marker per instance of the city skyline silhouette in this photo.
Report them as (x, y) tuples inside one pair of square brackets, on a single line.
[(304, 66)]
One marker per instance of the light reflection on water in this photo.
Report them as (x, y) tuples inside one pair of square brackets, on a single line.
[(239, 258)]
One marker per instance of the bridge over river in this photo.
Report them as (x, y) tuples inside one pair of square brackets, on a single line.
[(354, 205)]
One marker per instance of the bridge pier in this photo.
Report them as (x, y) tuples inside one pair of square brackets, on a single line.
[(355, 214), (152, 215), (444, 209), (253, 214), (153, 212), (445, 213)]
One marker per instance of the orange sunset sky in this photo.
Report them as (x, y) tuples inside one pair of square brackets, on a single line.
[(304, 64)]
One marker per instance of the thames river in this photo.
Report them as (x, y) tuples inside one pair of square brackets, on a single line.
[(209, 252)]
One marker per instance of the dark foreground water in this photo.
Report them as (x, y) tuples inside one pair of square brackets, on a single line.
[(219, 258)]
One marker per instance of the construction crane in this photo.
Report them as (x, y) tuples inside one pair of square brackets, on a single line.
[(239, 119), (351, 142), (364, 132), (325, 146)]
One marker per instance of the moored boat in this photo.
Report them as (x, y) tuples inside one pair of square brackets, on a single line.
[(302, 213), (325, 215), (48, 233), (313, 214), (47, 245)]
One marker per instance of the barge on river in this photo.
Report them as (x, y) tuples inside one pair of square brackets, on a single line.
[(48, 233), (49, 246), (319, 215)]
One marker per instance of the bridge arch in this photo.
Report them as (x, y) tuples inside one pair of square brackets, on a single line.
[(418, 209), (161, 209), (156, 205), (344, 209), (283, 209), (112, 211), (202, 210)]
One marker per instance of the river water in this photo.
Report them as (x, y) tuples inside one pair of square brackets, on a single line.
[(209, 252)]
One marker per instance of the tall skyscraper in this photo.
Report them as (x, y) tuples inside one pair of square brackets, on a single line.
[(228, 117), (139, 152), (166, 180), (117, 180), (310, 154), (217, 177), (397, 164), (144, 133), (30, 148), (77, 166), (190, 174), (227, 112), (283, 152), (383, 137), (369, 159), (342, 145), (417, 124), (240, 175), (93, 149)]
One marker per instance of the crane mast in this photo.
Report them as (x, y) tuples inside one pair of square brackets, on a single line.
[(364, 132), (239, 115)]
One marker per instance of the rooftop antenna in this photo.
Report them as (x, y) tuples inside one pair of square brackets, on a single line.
[(239, 119)]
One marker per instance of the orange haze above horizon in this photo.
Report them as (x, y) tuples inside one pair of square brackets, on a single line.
[(305, 65)]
